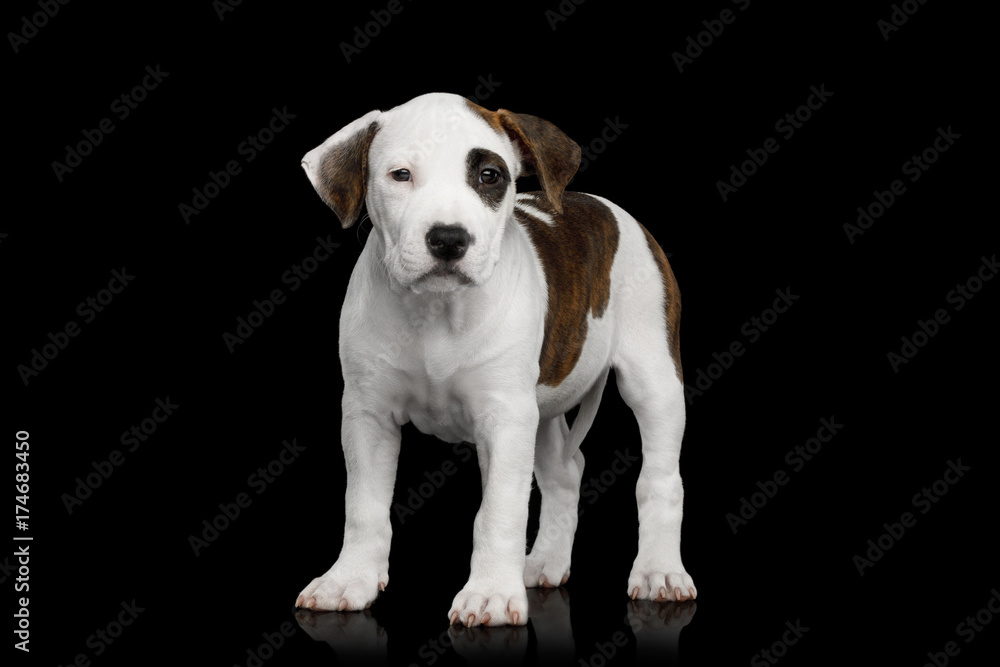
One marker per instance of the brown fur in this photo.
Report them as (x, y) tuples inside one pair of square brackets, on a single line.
[(545, 150), (343, 175), (672, 307), (491, 194), (576, 253)]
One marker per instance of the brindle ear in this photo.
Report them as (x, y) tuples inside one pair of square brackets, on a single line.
[(338, 168), (546, 152)]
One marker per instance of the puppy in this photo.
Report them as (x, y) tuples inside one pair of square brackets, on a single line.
[(483, 315)]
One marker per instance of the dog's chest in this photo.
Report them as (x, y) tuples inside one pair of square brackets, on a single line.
[(441, 372), (442, 412), (441, 395)]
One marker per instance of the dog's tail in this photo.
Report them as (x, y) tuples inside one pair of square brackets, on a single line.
[(585, 417)]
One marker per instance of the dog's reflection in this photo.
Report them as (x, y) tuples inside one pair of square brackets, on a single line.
[(356, 637), (657, 629), (483, 645)]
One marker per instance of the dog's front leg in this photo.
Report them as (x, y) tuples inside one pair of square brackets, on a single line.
[(371, 451), (505, 443)]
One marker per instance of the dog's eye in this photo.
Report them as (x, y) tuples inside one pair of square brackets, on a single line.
[(489, 176), (401, 175)]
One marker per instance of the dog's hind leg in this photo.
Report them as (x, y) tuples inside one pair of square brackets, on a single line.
[(647, 369), (558, 473), (657, 399)]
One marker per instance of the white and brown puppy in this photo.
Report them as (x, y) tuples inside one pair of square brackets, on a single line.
[(483, 315)]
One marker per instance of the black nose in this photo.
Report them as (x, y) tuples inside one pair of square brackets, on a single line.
[(448, 241)]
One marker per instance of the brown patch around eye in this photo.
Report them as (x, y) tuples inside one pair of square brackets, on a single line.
[(343, 175), (672, 307), (479, 159), (577, 252), (546, 150)]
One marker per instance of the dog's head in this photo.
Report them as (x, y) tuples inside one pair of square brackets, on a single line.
[(437, 175)]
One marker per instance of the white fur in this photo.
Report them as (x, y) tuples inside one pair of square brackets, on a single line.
[(525, 202), (461, 361)]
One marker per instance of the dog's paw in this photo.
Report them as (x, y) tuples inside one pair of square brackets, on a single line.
[(661, 586), (343, 589), (490, 603), (545, 569)]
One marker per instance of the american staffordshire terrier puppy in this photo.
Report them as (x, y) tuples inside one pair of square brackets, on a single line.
[(483, 315)]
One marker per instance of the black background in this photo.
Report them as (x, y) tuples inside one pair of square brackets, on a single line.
[(680, 132)]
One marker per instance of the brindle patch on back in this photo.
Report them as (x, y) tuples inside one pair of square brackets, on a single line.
[(576, 253), (672, 306)]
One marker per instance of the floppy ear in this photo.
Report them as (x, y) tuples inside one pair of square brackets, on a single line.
[(338, 168), (545, 150)]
